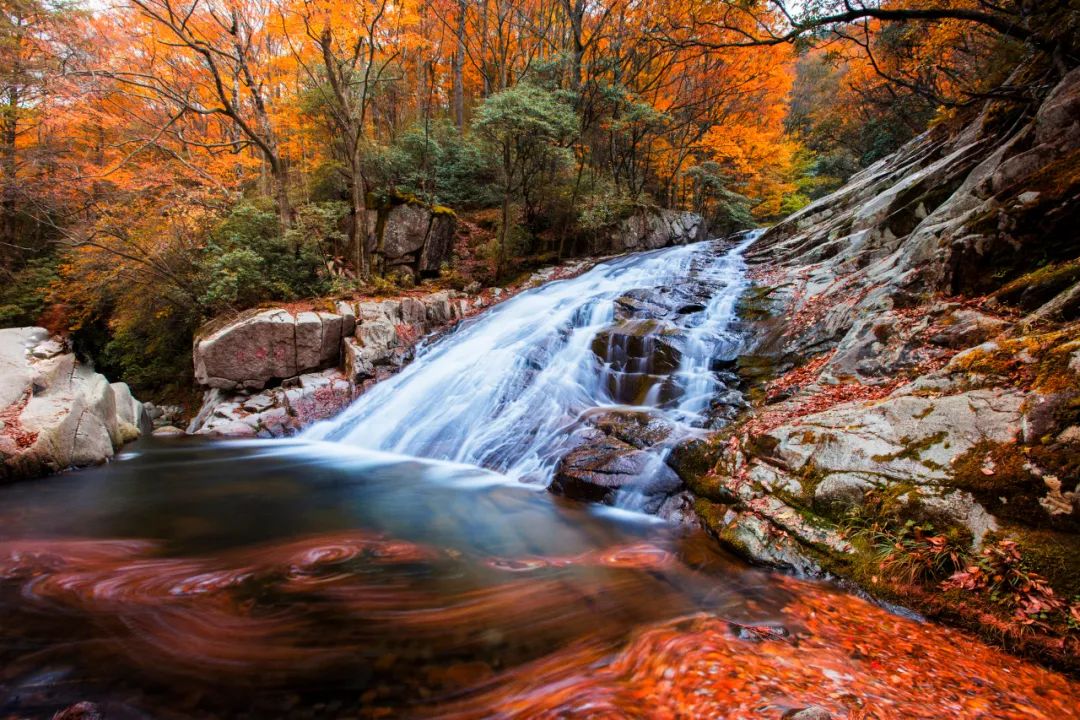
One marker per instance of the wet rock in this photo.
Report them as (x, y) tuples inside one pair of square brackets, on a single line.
[(637, 428), (692, 458), (597, 469), (640, 346)]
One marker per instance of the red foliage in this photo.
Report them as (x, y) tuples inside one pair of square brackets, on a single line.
[(11, 427)]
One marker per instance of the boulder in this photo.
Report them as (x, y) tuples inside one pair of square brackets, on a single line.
[(652, 229), (55, 412), (274, 412), (602, 465), (413, 236), (262, 347)]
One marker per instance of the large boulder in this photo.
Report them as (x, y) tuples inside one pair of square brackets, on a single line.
[(55, 412), (273, 372), (263, 347), (413, 236), (652, 229)]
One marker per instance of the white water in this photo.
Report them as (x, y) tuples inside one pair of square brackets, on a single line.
[(505, 390)]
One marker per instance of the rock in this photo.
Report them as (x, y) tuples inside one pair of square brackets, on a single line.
[(413, 236), (813, 712), (692, 458), (964, 328), (1070, 434), (649, 230), (903, 439), (274, 412), (840, 492), (1041, 413), (266, 346), (640, 346), (55, 412), (636, 428), (131, 416), (598, 468), (168, 431)]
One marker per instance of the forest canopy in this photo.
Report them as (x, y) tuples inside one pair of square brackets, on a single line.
[(165, 161)]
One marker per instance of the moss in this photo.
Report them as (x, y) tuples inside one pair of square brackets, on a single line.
[(711, 513), (913, 450), (1054, 555), (1031, 290), (442, 210), (754, 304), (998, 475)]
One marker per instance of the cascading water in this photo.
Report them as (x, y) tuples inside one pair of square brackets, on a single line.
[(508, 389)]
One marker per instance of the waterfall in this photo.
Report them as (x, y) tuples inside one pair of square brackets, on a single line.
[(507, 388)]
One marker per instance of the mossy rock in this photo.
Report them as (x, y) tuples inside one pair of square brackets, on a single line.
[(1054, 555), (999, 477), (1032, 290), (754, 305)]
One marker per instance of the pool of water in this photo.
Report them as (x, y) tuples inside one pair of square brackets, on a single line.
[(197, 579)]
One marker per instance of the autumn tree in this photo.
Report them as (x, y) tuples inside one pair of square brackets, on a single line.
[(205, 60), (348, 65)]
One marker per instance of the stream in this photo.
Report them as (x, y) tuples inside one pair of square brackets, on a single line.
[(405, 559)]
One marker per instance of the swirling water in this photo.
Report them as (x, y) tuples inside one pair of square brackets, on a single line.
[(319, 579)]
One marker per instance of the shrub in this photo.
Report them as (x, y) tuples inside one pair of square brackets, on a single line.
[(24, 296)]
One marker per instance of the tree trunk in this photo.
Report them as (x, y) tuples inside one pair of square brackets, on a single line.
[(280, 180), (508, 186), (459, 69), (358, 234)]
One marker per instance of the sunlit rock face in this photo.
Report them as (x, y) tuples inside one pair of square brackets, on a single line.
[(55, 412), (266, 346)]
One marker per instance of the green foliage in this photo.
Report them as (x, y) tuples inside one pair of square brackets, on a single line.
[(24, 296), (441, 166), (246, 261), (531, 127), (725, 210), (601, 205)]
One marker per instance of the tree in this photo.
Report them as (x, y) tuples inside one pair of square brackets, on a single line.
[(530, 128), (352, 64), (207, 60)]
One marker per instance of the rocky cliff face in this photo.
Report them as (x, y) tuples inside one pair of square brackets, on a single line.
[(56, 413), (916, 362)]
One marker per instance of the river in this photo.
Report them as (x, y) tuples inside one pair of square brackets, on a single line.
[(406, 560)]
